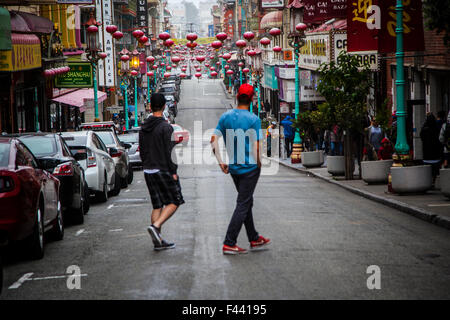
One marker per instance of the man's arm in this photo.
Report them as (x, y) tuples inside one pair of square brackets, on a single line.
[(216, 150), (169, 145), (141, 145)]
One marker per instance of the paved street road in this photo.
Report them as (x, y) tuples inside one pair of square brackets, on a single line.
[(324, 239)]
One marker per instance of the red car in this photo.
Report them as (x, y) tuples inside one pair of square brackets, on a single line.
[(180, 135), (29, 198)]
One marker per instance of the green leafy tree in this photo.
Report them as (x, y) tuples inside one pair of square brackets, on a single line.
[(437, 17), (345, 86)]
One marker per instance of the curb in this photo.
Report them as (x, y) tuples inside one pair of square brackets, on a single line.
[(420, 213), (225, 90)]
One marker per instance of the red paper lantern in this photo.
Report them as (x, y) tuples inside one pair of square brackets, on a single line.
[(246, 70), (155, 66), (241, 43), (150, 74), (222, 36), (275, 32), (198, 75), (191, 37), (249, 35), (92, 29), (166, 75), (183, 69), (150, 59), (134, 73), (182, 75), (176, 59), (111, 28), (230, 72), (200, 59), (265, 41), (251, 53), (137, 33), (117, 35), (169, 68), (301, 27), (169, 42), (216, 44), (226, 56), (102, 55), (212, 69), (277, 49), (213, 74), (164, 36), (241, 64), (143, 39), (227, 67)]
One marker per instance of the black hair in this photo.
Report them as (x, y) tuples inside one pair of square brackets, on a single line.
[(244, 99), (441, 114), (158, 101)]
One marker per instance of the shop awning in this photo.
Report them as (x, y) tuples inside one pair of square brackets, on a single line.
[(18, 23), (295, 4), (337, 25), (79, 98), (5, 29), (25, 53), (273, 19), (37, 24)]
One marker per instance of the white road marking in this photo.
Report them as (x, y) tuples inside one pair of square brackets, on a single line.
[(19, 282), (116, 230), (110, 206), (128, 190), (79, 232), (59, 277), (440, 205)]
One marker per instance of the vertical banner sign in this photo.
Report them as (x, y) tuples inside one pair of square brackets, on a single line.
[(371, 25), (106, 68), (319, 11), (142, 14)]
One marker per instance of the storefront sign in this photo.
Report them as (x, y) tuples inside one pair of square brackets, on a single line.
[(284, 107), (308, 93), (305, 78), (228, 22), (79, 76), (371, 25), (106, 67), (318, 11), (272, 4), (316, 51), (142, 14), (21, 57), (75, 1), (287, 73), (287, 55), (270, 79), (369, 58)]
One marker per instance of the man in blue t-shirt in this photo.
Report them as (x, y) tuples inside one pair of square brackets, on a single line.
[(241, 132)]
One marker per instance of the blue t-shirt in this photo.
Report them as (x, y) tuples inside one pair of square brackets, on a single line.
[(240, 130)]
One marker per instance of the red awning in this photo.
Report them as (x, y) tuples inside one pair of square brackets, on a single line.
[(18, 38), (272, 19), (36, 24), (79, 97), (337, 25), (18, 24), (295, 4)]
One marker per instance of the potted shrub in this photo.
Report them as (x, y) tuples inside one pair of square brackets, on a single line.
[(308, 123), (345, 85), (377, 171), (445, 182)]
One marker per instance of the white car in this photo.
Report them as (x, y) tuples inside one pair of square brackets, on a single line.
[(98, 165), (166, 115)]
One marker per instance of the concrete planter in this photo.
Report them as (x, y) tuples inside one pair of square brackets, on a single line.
[(336, 165), (312, 159), (417, 179), (376, 171), (445, 182)]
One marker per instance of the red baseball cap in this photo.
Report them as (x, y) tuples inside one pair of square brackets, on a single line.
[(246, 89)]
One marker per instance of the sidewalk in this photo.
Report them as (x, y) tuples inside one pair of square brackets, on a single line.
[(229, 96), (433, 206)]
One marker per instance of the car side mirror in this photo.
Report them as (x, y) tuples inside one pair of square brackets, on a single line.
[(127, 146), (112, 151)]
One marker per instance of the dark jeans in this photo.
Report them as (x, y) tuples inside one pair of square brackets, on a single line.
[(245, 186), (269, 145), (288, 142)]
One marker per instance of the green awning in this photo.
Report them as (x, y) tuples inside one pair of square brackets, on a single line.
[(5, 29)]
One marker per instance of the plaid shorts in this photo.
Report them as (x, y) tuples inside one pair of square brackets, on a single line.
[(163, 189)]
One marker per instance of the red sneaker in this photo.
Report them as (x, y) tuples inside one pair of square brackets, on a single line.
[(233, 250), (260, 243)]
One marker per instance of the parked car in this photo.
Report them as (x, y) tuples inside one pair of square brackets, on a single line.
[(107, 132), (166, 114), (133, 152), (98, 164), (172, 83), (170, 90), (176, 78), (172, 104), (29, 198), (54, 155), (180, 134)]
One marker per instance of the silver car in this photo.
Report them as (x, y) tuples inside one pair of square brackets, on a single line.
[(133, 152)]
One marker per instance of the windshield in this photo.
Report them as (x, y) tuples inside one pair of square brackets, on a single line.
[(4, 154), (177, 128), (41, 146), (75, 140), (106, 137), (129, 138)]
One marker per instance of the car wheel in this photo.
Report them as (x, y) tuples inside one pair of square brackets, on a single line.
[(130, 175), (102, 196), (36, 240), (58, 227), (116, 190), (87, 198), (124, 182)]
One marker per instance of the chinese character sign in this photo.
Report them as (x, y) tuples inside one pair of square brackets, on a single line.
[(142, 15), (106, 68), (371, 25), (319, 11)]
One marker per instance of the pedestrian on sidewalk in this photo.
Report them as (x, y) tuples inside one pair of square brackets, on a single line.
[(288, 134), (336, 141), (376, 135), (156, 143), (444, 138), (245, 167), (269, 132), (386, 151), (432, 152)]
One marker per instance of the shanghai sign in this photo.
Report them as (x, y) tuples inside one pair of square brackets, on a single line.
[(79, 76)]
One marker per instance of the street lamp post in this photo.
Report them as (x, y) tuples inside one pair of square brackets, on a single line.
[(297, 40), (124, 85), (401, 146), (135, 64)]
